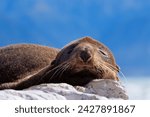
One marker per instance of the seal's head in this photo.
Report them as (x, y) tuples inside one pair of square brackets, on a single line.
[(82, 61)]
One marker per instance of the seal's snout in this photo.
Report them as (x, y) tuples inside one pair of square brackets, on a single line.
[(85, 56)]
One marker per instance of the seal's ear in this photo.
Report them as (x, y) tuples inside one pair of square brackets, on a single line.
[(53, 62), (118, 68)]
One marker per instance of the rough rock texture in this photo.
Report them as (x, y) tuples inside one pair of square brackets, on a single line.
[(95, 90)]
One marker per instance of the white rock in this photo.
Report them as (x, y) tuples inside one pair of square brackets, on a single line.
[(95, 90)]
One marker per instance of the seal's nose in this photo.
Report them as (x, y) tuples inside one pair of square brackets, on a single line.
[(85, 56)]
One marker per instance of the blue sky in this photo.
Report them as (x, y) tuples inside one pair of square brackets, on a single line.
[(122, 25)]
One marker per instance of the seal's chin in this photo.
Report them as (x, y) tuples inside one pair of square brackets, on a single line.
[(81, 78), (85, 73)]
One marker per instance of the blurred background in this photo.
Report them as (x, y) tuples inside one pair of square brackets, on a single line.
[(122, 25)]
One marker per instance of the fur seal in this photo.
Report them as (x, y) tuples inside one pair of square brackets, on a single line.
[(77, 63)]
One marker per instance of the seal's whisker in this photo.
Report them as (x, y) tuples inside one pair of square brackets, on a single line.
[(47, 73), (62, 69), (118, 71), (58, 66), (54, 68), (104, 66), (124, 77), (109, 65), (58, 70), (65, 68)]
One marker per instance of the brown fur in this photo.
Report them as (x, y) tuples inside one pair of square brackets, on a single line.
[(77, 64), (22, 60)]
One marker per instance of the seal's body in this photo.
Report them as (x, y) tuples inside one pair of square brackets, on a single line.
[(22, 60), (77, 63)]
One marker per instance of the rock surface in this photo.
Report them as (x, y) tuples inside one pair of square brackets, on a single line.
[(95, 90)]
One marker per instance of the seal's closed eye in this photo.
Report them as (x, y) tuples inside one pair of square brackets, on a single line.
[(103, 52)]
